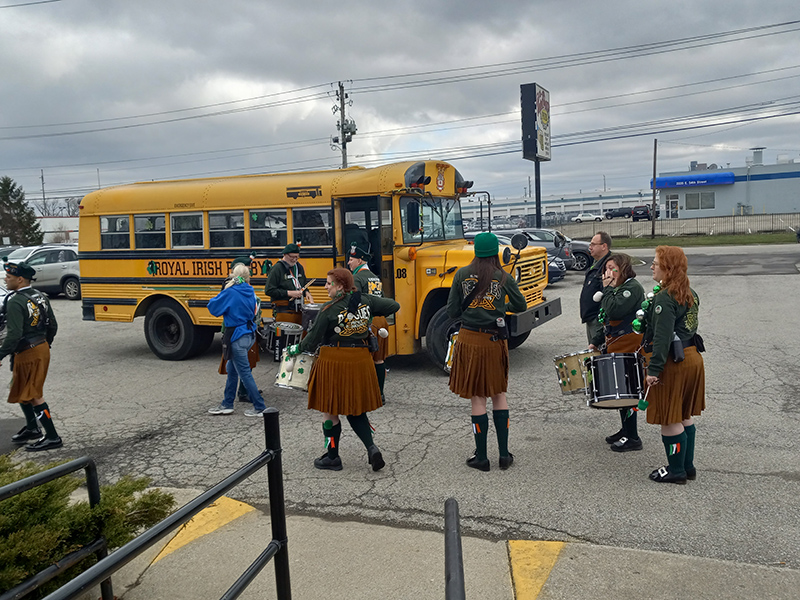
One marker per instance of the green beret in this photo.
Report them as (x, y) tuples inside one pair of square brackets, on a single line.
[(291, 249), (243, 260), (486, 245), (359, 253), (20, 269)]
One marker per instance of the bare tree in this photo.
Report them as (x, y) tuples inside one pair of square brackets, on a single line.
[(72, 205), (46, 207)]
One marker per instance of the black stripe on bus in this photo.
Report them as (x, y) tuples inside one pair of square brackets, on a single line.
[(199, 253), (173, 282), (110, 301), (198, 303)]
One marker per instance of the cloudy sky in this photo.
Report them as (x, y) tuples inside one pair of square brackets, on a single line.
[(112, 91)]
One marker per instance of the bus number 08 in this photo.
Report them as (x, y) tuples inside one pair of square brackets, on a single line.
[(401, 274)]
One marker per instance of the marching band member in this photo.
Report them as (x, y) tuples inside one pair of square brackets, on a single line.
[(621, 298), (675, 372), (285, 286), (480, 356), (367, 282), (343, 379)]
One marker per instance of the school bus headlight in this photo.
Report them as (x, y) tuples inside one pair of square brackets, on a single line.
[(518, 274)]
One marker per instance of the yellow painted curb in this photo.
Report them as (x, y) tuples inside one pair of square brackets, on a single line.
[(531, 563), (222, 512)]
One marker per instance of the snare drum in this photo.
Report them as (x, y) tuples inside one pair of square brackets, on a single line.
[(295, 371), (284, 334), (617, 380), (573, 371), (310, 313)]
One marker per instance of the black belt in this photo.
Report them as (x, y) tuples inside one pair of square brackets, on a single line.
[(479, 329), (28, 344), (685, 343), (355, 344)]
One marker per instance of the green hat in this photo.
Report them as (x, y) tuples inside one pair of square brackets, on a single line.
[(359, 253), (291, 249), (486, 245), (20, 269), (243, 260)]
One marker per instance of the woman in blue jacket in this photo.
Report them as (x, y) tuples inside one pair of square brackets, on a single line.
[(239, 307)]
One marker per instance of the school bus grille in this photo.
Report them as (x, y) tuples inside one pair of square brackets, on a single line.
[(532, 279)]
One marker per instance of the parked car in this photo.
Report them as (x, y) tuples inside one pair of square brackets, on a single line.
[(6, 250), (554, 241), (642, 213), (619, 212), (581, 254), (556, 271), (502, 238), (581, 217), (56, 265)]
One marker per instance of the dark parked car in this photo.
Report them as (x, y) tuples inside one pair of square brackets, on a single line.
[(618, 212), (554, 241), (580, 252), (555, 269), (642, 213)]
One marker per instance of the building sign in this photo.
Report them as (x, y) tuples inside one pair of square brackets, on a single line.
[(535, 104), (694, 179)]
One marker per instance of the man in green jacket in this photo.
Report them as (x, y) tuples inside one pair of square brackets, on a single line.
[(30, 329)]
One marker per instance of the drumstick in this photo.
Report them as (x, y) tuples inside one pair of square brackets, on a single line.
[(305, 287)]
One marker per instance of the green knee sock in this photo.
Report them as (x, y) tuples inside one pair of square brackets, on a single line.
[(480, 428), (30, 416), (689, 460), (332, 433), (629, 425), (675, 445), (360, 424), (43, 416), (380, 371), (501, 426)]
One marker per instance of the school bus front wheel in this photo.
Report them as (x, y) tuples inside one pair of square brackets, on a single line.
[(170, 333)]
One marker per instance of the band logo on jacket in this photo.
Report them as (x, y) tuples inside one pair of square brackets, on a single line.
[(37, 311), (375, 288), (488, 300), (353, 323)]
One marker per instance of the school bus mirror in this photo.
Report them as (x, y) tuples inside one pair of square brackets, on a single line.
[(506, 255), (412, 217), (519, 241)]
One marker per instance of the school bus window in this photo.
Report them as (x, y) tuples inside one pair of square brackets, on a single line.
[(114, 233), (268, 228), (439, 219), (150, 231), (187, 230), (226, 229), (312, 226)]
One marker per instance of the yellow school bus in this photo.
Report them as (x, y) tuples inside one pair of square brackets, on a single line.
[(160, 250)]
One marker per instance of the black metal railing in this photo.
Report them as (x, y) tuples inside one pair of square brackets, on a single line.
[(453, 556), (97, 547), (277, 548)]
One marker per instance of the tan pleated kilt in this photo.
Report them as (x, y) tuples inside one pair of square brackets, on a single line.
[(30, 371), (480, 366), (681, 392), (383, 343), (343, 382)]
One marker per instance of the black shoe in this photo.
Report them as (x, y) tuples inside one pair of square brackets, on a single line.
[(375, 458), (44, 444), (506, 461), (610, 439), (662, 475), (691, 474), (26, 435), (624, 444), (476, 463), (328, 464)]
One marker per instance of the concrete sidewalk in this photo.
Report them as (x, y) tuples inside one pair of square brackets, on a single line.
[(364, 561)]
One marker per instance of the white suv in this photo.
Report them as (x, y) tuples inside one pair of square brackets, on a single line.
[(57, 268)]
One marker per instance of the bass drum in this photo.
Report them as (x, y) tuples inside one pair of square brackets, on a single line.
[(295, 371)]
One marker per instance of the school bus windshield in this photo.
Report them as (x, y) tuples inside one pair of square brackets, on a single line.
[(439, 218)]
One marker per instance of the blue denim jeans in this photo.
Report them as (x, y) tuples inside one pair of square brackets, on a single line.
[(239, 368)]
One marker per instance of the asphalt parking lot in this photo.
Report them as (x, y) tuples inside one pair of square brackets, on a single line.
[(113, 400)]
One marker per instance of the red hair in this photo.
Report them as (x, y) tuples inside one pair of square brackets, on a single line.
[(343, 277), (674, 266)]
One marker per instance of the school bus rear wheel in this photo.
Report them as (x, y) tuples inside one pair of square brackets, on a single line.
[(169, 331), (437, 335)]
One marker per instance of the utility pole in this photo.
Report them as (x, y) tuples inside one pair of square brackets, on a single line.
[(654, 209), (44, 200), (346, 127)]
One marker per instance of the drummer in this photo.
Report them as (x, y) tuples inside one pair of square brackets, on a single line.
[(285, 286), (621, 297), (367, 282), (343, 380)]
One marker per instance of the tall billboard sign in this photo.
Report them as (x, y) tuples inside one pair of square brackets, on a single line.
[(535, 103)]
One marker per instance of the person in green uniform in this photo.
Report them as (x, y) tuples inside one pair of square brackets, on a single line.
[(676, 376), (620, 299), (285, 286), (480, 356), (367, 282), (343, 379), (30, 329)]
